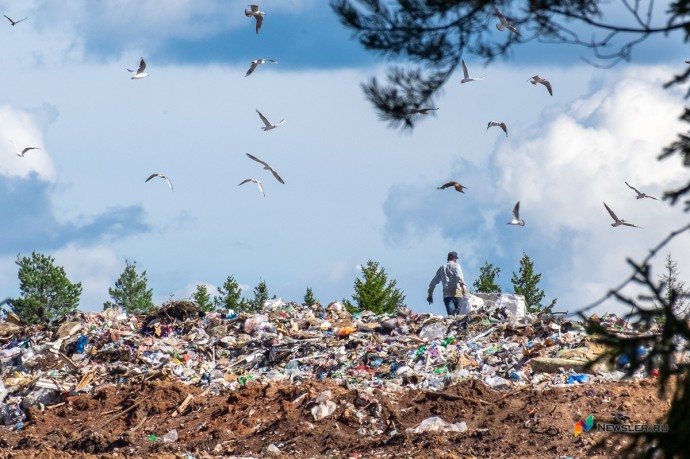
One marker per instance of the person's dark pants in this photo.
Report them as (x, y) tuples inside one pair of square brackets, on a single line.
[(452, 305)]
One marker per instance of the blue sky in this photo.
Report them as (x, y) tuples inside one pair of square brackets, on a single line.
[(355, 190)]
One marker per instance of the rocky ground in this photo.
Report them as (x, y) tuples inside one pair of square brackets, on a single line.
[(277, 420)]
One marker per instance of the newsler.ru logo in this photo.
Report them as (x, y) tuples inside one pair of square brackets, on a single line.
[(588, 424)]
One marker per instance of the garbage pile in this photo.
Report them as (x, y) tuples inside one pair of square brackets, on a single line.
[(497, 343)]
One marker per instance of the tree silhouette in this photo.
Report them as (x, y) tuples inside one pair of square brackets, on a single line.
[(435, 34), (663, 346)]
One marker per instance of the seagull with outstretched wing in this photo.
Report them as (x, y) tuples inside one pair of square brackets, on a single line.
[(267, 124), (537, 79), (267, 167), (14, 23), (504, 24), (163, 176), (253, 10), (516, 216), (256, 63), (640, 195), (24, 150), (253, 180), (466, 74), (453, 184), (617, 221), (500, 124), (140, 72)]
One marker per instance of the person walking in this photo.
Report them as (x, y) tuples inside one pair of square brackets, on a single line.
[(454, 290)]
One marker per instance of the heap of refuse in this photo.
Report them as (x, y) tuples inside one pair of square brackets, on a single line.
[(498, 343)]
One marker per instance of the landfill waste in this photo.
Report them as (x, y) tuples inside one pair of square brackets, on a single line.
[(324, 406), (170, 437), (499, 344), (291, 341), (437, 424), (11, 414), (577, 378)]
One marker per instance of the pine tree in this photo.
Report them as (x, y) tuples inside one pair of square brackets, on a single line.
[(526, 284), (202, 298), (374, 293), (260, 297), (230, 296), (309, 298), (131, 291), (675, 292), (486, 282), (46, 293)]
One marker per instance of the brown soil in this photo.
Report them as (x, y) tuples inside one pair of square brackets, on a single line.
[(129, 422)]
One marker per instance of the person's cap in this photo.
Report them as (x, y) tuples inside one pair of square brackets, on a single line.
[(452, 255)]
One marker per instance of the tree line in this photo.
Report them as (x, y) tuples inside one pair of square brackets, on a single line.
[(47, 294)]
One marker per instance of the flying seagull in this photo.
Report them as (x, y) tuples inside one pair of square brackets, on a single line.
[(161, 176), (14, 23), (453, 184), (21, 153), (466, 72), (536, 79), (617, 221), (640, 195), (516, 216), (257, 62), (267, 167), (421, 111), (267, 125), (140, 72), (253, 180), (504, 24), (500, 124), (253, 10)]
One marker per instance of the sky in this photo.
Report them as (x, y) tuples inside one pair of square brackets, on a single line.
[(355, 189)]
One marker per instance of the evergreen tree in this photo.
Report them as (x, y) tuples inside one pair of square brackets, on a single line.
[(375, 293), (526, 284), (486, 282), (202, 298), (675, 291), (309, 298), (131, 292), (230, 296), (260, 297), (46, 293)]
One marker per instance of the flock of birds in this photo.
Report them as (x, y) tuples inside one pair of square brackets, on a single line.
[(258, 15), (502, 25), (140, 72)]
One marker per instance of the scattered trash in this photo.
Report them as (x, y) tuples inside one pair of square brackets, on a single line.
[(498, 343), (575, 378), (170, 437), (437, 424)]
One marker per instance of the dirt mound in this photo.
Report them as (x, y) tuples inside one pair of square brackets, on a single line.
[(278, 419)]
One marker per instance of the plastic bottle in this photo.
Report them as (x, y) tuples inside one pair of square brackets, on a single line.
[(447, 341)]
